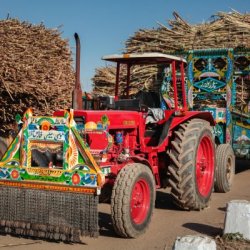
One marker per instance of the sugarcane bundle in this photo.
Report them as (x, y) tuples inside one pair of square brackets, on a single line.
[(141, 78), (105, 77), (223, 30), (35, 70)]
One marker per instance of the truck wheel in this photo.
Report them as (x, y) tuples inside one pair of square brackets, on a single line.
[(225, 168), (132, 201), (192, 166), (3, 148)]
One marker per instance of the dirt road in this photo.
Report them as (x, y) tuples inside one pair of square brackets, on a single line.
[(168, 222)]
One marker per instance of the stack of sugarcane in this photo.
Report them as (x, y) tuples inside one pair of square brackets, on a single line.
[(104, 80), (35, 70), (224, 30)]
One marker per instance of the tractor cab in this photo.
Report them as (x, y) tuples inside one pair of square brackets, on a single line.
[(133, 94), (157, 105)]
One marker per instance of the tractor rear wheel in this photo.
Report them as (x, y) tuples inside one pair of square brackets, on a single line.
[(132, 200), (192, 156), (225, 168)]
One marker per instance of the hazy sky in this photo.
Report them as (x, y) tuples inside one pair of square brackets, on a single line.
[(104, 25)]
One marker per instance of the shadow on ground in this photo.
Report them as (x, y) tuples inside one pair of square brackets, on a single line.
[(241, 166), (204, 229), (223, 209), (165, 201), (106, 227)]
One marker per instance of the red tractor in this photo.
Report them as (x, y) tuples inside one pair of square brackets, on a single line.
[(150, 141), (55, 168)]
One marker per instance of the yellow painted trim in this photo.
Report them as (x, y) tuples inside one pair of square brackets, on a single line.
[(48, 187), (44, 171)]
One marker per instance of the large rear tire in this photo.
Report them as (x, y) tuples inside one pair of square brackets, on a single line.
[(192, 155), (225, 168), (132, 201)]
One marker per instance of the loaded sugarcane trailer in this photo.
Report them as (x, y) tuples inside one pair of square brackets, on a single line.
[(218, 81)]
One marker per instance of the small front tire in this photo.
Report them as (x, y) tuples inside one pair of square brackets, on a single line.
[(132, 201)]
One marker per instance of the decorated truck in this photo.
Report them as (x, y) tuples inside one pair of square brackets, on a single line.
[(218, 81), (49, 181), (53, 172)]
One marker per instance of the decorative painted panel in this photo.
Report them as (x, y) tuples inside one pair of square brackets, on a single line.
[(218, 81), (49, 149)]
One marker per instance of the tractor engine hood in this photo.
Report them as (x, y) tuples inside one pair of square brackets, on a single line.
[(103, 119)]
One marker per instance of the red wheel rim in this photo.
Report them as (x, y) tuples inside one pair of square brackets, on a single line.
[(205, 166), (140, 201)]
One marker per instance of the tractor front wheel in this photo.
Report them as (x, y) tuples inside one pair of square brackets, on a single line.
[(225, 168), (192, 166), (133, 199)]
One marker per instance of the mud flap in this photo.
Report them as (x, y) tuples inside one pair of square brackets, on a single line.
[(48, 214)]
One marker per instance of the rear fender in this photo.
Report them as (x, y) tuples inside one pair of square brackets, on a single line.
[(177, 120)]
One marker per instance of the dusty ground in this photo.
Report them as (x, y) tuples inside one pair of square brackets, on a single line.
[(168, 222)]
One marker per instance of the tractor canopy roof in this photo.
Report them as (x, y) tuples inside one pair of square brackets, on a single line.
[(143, 58)]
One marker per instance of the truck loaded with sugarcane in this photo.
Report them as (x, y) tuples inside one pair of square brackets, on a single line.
[(218, 81)]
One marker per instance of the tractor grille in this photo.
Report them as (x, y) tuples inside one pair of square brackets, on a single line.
[(48, 214)]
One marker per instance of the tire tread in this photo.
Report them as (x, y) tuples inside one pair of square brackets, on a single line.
[(181, 167), (120, 199)]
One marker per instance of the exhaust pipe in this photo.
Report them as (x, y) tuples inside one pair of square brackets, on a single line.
[(77, 92)]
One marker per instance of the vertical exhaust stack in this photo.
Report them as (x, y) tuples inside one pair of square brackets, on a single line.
[(77, 92)]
